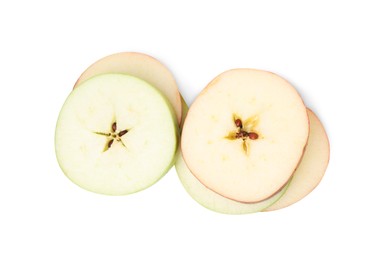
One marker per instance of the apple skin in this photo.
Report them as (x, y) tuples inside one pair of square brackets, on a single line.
[(312, 167), (272, 108), (184, 112), (215, 202), (142, 66), (134, 106), (211, 200), (305, 179)]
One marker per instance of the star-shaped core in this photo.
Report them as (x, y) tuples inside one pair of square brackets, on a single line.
[(244, 131), (113, 135)]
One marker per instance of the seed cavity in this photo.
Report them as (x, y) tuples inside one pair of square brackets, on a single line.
[(113, 136), (105, 134), (245, 131)]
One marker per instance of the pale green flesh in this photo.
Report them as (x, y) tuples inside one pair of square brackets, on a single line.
[(213, 201), (147, 151)]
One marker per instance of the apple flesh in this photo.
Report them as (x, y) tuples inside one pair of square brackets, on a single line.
[(141, 66), (212, 200), (209, 199), (116, 135), (245, 134), (184, 111), (312, 167)]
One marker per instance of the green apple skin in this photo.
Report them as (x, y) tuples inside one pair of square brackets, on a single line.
[(215, 202), (134, 161)]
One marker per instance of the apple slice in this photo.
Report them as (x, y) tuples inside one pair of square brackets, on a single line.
[(212, 200), (245, 134), (141, 66), (184, 111), (116, 135), (312, 167)]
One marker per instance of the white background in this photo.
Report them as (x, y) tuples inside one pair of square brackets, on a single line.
[(334, 52)]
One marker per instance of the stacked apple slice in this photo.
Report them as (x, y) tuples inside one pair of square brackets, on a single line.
[(117, 132), (249, 144)]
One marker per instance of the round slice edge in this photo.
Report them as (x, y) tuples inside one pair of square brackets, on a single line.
[(245, 134), (312, 167), (115, 135), (142, 66)]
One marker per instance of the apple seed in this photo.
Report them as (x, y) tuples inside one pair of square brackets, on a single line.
[(113, 136), (253, 135), (123, 132), (238, 123)]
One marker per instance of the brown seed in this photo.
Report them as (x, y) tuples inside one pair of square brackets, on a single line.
[(114, 126), (238, 123), (253, 135), (122, 133), (110, 143)]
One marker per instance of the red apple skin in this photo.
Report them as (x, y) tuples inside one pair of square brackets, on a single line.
[(236, 195), (312, 167), (142, 66)]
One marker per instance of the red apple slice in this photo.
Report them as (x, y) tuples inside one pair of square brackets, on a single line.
[(212, 200), (141, 66), (245, 134), (312, 167)]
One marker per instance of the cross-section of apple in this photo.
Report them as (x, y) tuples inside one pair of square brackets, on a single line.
[(141, 66), (212, 200), (116, 135), (312, 167), (245, 134)]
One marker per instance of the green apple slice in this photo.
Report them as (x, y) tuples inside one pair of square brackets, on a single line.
[(312, 167), (141, 66), (212, 200), (245, 134), (116, 135)]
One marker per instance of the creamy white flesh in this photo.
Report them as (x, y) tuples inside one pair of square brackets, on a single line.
[(213, 200), (141, 66), (312, 167), (209, 199), (268, 106), (144, 153)]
